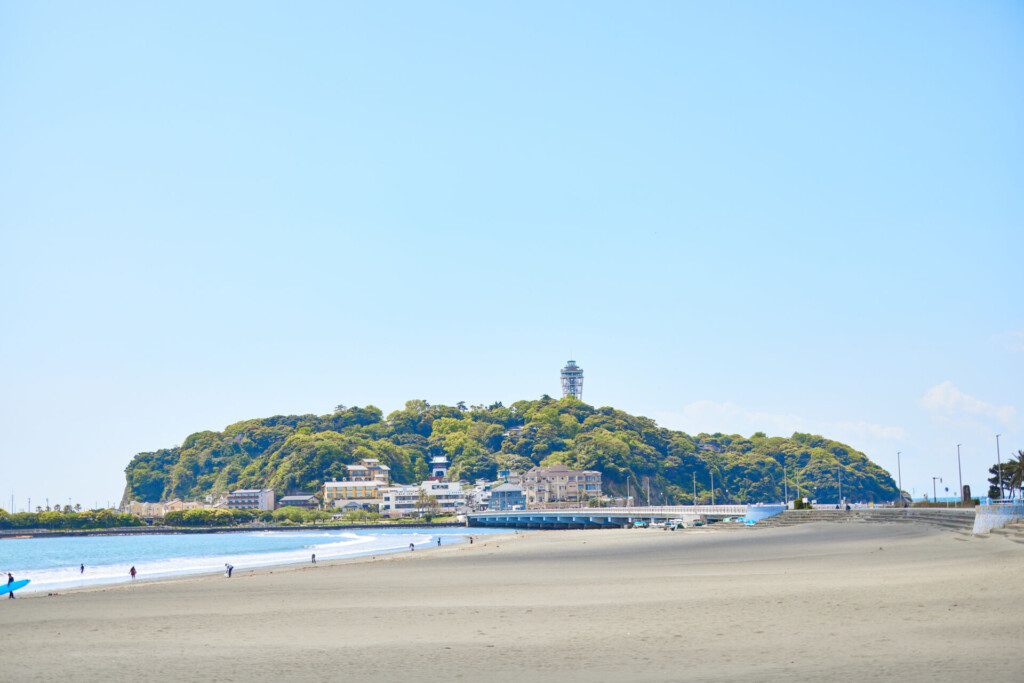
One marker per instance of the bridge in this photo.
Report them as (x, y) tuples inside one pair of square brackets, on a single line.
[(595, 518)]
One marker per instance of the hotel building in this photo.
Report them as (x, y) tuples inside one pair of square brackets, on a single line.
[(251, 499), (557, 484), (403, 501)]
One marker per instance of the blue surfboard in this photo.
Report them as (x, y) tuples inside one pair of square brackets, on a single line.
[(11, 587)]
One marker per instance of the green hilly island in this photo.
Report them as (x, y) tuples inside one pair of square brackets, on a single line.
[(292, 453)]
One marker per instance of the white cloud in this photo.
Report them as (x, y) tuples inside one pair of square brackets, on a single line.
[(946, 402), (1014, 341), (870, 430)]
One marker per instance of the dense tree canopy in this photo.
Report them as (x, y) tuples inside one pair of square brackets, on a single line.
[(292, 453)]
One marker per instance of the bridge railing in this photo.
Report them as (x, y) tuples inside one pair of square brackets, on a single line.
[(666, 511)]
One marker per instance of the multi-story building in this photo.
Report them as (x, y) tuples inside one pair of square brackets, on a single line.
[(559, 484), (364, 492), (369, 469), (507, 497), (402, 501), (251, 499)]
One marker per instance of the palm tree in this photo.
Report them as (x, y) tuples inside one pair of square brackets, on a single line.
[(1014, 471)]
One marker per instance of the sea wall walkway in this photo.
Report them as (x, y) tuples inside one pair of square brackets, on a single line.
[(617, 517)]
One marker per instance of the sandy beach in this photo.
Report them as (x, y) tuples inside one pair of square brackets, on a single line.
[(814, 602)]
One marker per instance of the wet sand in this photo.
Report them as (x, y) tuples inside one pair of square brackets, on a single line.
[(813, 602)]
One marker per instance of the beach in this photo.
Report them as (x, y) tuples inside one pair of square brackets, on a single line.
[(820, 601)]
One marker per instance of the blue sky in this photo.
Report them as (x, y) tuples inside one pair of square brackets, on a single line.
[(736, 217)]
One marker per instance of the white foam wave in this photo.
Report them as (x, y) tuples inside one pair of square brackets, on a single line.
[(347, 545)]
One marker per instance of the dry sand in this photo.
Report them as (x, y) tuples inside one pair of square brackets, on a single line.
[(814, 602)]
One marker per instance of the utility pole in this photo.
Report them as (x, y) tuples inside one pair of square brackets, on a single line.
[(960, 473), (935, 496), (785, 483), (840, 471), (899, 473), (694, 488), (999, 468), (712, 485)]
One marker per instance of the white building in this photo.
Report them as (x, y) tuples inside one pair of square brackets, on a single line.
[(478, 497), (251, 499), (403, 501)]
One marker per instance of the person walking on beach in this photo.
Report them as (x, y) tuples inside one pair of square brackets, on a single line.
[(230, 568), (10, 580), (81, 569), (132, 572), (412, 547), (438, 541), (314, 558)]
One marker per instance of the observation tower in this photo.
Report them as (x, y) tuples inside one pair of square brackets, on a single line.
[(572, 380)]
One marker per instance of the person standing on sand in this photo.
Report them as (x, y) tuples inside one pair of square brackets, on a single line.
[(10, 580), (314, 558), (132, 572), (438, 541), (412, 547), (230, 568)]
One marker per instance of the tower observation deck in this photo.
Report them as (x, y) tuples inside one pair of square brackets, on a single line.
[(572, 380)]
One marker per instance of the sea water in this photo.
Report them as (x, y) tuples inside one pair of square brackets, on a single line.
[(54, 563)]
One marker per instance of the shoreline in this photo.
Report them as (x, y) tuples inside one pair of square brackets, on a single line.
[(19, 534), (383, 556)]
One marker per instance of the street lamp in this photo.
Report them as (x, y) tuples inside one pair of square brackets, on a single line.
[(999, 468), (960, 473), (935, 496)]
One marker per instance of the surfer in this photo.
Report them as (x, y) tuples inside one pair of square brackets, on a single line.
[(10, 580), (132, 572)]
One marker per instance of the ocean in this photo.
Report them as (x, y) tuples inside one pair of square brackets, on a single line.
[(54, 563)]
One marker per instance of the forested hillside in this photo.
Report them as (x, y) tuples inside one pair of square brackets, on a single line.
[(299, 452)]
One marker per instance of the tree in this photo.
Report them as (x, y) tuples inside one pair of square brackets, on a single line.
[(428, 505), (1017, 473), (1012, 472), (293, 453)]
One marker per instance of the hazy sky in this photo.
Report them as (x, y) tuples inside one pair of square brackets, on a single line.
[(736, 216)]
